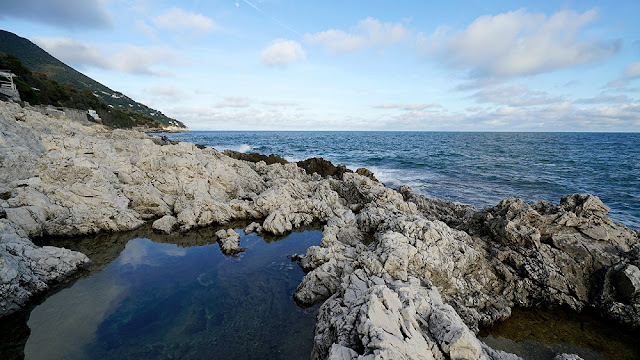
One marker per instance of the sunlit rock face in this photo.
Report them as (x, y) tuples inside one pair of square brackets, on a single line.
[(400, 275)]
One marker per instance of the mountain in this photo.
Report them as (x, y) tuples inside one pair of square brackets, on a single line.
[(38, 60)]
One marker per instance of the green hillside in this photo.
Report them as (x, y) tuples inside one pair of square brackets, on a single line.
[(39, 61), (37, 89)]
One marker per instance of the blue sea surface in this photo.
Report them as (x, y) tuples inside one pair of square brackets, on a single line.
[(479, 169)]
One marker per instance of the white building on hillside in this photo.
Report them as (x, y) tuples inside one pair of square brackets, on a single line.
[(7, 86)]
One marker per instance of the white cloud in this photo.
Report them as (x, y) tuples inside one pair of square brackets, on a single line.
[(282, 52), (168, 92), (408, 107), (250, 118), (367, 33), (520, 43), (605, 99), (279, 103), (563, 116), (61, 13), (616, 114), (337, 41), (631, 72), (514, 96), (72, 52), (146, 29), (124, 58), (178, 20), (234, 102), (138, 60)]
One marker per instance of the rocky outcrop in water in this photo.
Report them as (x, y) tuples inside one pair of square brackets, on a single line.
[(229, 242), (255, 157), (322, 167), (399, 275)]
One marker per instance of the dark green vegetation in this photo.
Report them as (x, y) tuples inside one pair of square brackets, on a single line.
[(61, 85), (37, 89)]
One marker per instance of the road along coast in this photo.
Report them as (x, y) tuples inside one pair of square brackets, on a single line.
[(398, 275)]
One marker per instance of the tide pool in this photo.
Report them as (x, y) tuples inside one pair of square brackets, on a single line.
[(177, 297)]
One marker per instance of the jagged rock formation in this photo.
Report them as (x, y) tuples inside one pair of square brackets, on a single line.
[(322, 167), (229, 241), (510, 255), (400, 275), (26, 269), (366, 173), (255, 157)]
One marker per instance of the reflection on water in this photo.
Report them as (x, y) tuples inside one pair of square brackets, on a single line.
[(539, 334), (166, 301)]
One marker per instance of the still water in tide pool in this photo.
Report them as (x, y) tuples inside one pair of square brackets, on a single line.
[(180, 301), (541, 334)]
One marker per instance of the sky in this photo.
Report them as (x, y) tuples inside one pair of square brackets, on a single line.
[(355, 65)]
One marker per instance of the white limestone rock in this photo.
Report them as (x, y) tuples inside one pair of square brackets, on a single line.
[(229, 241), (26, 269), (166, 224), (567, 357), (254, 227)]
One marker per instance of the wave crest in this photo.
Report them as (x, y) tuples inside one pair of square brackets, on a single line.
[(245, 148)]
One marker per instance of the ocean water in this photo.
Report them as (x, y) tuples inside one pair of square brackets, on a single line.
[(479, 169)]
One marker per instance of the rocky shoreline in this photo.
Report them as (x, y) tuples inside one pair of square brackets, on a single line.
[(399, 275)]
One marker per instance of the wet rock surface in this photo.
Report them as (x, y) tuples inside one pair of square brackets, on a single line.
[(323, 167), (399, 275), (254, 157)]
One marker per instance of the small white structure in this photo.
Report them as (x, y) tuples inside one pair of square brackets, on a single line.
[(7, 86), (93, 114)]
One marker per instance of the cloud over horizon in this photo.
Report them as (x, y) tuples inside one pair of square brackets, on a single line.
[(515, 95), (408, 107), (233, 102), (520, 43), (168, 92)]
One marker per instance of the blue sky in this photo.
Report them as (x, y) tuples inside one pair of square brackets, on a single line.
[(355, 65)]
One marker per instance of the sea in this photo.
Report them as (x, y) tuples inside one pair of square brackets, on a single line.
[(474, 168)]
